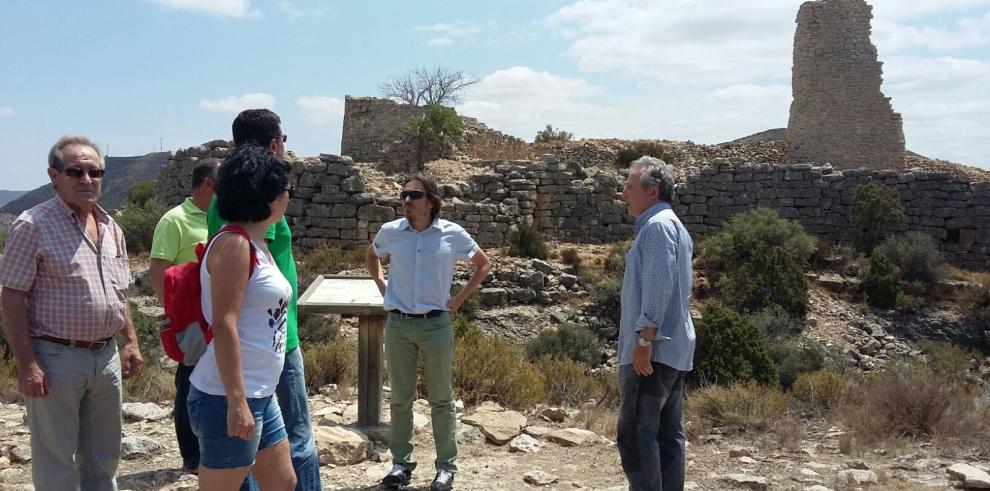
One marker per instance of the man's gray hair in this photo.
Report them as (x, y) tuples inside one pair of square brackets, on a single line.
[(56, 156), (656, 174)]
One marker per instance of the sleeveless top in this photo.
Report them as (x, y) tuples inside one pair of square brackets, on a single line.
[(261, 330)]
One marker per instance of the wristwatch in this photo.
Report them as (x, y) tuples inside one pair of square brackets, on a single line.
[(643, 341)]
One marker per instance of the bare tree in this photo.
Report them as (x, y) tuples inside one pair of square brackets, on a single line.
[(424, 86)]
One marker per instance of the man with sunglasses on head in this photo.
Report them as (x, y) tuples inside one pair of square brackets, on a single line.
[(264, 128), (423, 249), (65, 276)]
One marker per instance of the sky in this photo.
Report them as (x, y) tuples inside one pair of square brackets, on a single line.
[(140, 75)]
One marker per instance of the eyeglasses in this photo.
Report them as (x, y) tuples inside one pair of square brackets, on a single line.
[(285, 138), (413, 195), (76, 173), (291, 190)]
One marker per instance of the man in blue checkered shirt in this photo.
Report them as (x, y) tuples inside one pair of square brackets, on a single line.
[(656, 335)]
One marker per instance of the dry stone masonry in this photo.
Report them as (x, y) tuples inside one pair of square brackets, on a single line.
[(570, 202), (839, 115)]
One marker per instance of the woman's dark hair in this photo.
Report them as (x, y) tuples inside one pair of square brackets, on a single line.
[(432, 192), (250, 178)]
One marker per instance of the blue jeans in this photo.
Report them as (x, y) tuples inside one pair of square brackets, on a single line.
[(208, 417), (291, 394), (188, 443), (651, 428)]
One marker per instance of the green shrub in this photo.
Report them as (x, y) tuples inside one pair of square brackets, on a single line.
[(607, 296), (317, 328), (759, 260), (794, 357), (549, 134), (330, 362), (821, 391), (571, 342), (876, 213), (741, 407), (947, 359), (493, 369), (138, 223), (774, 321), (526, 240), (438, 123), (880, 282), (141, 192), (917, 257), (571, 258), (664, 151), (729, 350), (568, 382)]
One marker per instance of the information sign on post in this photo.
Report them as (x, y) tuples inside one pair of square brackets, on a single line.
[(358, 296)]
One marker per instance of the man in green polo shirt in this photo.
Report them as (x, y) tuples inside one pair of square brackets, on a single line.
[(263, 127), (177, 234)]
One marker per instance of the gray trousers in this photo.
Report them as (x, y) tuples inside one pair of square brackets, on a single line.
[(651, 428), (76, 427)]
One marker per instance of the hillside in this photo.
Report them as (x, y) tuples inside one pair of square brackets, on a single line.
[(122, 173), (8, 196)]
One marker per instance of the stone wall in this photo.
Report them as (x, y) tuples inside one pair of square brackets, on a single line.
[(372, 123), (838, 114), (569, 202), (174, 182)]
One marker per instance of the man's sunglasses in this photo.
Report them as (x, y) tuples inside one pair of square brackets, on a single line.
[(76, 173), (285, 138), (291, 190), (413, 195)]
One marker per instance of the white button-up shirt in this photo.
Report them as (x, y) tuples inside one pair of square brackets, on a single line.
[(421, 264)]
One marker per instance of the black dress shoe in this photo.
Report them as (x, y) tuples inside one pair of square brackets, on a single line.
[(398, 476), (443, 482)]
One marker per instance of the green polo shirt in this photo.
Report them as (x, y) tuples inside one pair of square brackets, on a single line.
[(279, 239), (178, 233)]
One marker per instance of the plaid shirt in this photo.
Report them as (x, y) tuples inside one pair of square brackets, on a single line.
[(75, 288)]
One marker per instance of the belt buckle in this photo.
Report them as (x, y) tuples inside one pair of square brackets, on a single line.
[(98, 345)]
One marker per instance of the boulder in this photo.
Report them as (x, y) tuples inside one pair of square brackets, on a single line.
[(139, 447), (858, 477), (524, 444), (971, 477), (340, 445), (143, 411), (539, 478), (499, 427), (747, 481), (572, 437)]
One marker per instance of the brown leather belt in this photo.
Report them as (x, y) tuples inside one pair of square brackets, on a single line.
[(97, 345)]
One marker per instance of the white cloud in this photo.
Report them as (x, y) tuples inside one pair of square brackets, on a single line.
[(321, 110), (7, 112), (520, 101), (448, 33), (294, 10), (237, 9), (233, 104)]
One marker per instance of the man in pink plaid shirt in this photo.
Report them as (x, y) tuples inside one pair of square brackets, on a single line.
[(64, 275)]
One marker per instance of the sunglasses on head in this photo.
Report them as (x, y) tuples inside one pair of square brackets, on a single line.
[(413, 195), (76, 173)]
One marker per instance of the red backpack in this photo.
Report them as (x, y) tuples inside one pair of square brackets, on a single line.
[(185, 332)]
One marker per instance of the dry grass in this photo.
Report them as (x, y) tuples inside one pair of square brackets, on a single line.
[(567, 382), (326, 261), (913, 401), (603, 421), (153, 383), (331, 362), (490, 368), (745, 406), (820, 391), (9, 391), (977, 277)]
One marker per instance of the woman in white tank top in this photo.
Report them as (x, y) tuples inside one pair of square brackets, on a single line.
[(232, 408)]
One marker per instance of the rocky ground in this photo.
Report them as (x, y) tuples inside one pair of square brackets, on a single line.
[(501, 449)]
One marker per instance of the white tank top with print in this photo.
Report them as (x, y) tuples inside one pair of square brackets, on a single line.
[(261, 329)]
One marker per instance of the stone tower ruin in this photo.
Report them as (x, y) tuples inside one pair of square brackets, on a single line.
[(839, 115)]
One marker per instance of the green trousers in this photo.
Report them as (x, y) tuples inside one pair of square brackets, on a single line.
[(406, 339)]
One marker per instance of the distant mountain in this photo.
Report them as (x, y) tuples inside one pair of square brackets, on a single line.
[(8, 196), (122, 173), (763, 136)]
